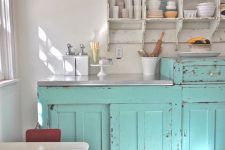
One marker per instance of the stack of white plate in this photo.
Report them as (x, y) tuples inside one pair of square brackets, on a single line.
[(206, 9), (153, 7), (155, 14)]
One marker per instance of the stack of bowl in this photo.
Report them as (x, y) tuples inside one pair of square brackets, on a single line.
[(206, 9), (121, 4), (129, 6), (171, 9), (154, 10), (222, 10)]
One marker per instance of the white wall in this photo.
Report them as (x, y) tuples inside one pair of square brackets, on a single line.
[(10, 114), (44, 27)]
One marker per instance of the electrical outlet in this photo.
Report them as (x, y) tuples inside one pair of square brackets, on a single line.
[(119, 53)]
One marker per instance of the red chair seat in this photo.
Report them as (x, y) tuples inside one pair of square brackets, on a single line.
[(43, 135)]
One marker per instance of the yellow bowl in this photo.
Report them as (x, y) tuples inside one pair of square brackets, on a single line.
[(170, 14)]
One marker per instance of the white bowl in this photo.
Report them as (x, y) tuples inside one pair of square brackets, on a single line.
[(154, 5), (205, 14), (171, 2), (209, 9), (206, 7), (206, 4), (206, 11), (154, 2), (171, 7)]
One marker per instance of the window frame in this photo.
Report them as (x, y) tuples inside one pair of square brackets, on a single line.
[(1, 68), (7, 41)]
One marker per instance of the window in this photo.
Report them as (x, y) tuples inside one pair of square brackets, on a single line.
[(7, 52), (1, 69)]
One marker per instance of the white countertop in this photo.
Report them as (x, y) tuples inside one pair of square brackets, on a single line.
[(44, 146), (109, 80)]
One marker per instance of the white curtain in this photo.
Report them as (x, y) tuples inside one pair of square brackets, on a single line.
[(7, 42)]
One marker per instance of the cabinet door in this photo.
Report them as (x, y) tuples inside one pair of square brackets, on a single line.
[(89, 123), (140, 126), (204, 126)]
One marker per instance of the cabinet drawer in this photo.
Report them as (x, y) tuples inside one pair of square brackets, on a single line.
[(203, 73), (193, 70)]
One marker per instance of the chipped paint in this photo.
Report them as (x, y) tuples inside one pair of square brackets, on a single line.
[(51, 107)]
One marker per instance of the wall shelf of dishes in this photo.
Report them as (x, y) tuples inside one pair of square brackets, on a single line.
[(140, 21)]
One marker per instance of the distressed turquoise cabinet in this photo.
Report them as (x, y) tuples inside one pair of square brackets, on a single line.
[(188, 115), (203, 126), (202, 82), (141, 126), (114, 117), (82, 123)]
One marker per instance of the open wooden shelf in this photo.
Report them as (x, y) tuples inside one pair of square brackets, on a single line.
[(164, 20), (176, 24)]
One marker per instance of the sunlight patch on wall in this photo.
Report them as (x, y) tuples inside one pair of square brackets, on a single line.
[(50, 67), (42, 55), (55, 52), (49, 55), (42, 35)]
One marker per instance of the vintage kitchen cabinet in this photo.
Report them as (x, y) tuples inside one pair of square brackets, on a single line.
[(111, 117), (82, 123), (203, 126), (187, 115), (141, 126), (203, 100)]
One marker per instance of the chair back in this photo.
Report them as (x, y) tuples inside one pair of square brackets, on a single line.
[(43, 135)]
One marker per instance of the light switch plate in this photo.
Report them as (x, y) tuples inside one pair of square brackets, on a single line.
[(119, 53)]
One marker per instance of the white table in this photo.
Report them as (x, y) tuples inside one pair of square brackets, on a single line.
[(44, 146)]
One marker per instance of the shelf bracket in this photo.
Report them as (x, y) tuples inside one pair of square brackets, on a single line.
[(143, 34), (179, 26), (213, 27), (107, 36)]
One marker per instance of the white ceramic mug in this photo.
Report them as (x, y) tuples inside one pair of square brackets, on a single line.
[(131, 11), (115, 11), (137, 12)]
